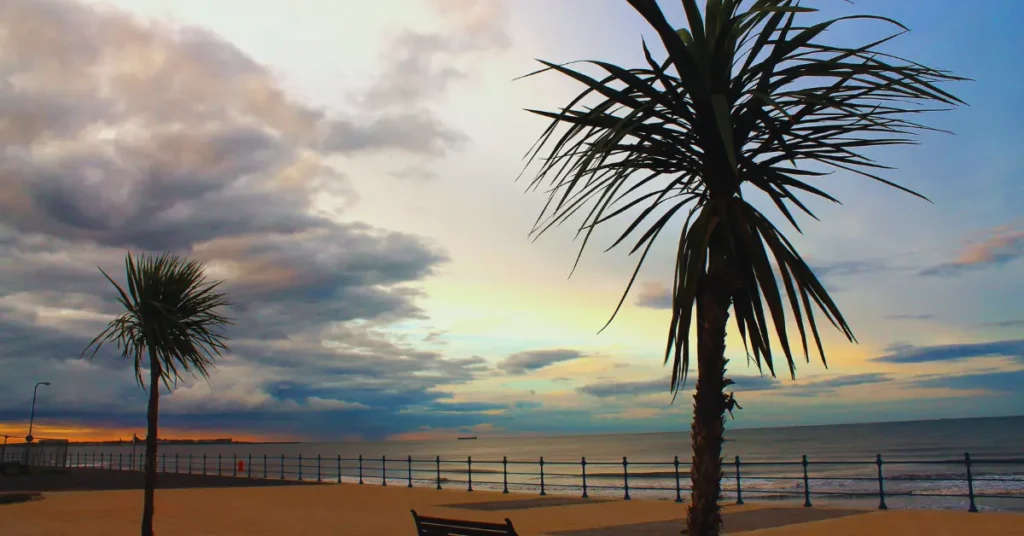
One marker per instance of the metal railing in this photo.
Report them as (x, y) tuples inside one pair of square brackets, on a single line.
[(43, 452), (740, 479)]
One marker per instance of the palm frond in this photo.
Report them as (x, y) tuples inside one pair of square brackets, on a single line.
[(744, 102), (171, 309)]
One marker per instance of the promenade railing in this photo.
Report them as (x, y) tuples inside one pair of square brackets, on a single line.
[(43, 452), (966, 478)]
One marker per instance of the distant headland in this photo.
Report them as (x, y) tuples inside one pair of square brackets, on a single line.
[(164, 441)]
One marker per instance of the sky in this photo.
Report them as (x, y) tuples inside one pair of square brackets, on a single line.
[(349, 170)]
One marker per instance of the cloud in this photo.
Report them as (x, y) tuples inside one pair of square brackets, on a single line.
[(415, 132), (829, 386), (418, 67), (1003, 245), (850, 268), (999, 382), (532, 360), (1005, 324), (911, 316), (417, 71), (317, 403), (122, 134), (743, 384), (630, 388), (905, 353), (611, 389), (654, 296)]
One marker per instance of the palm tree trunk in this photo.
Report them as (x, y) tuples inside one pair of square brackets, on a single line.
[(151, 422), (704, 517)]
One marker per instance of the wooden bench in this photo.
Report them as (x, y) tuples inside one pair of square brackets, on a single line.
[(438, 526)]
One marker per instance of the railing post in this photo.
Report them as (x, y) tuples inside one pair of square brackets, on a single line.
[(625, 477), (542, 476), (248, 466), (318, 468), (300, 466), (360, 469), (384, 470), (234, 465), (679, 495), (739, 486), (93, 459), (438, 461), (409, 467), (881, 484), (282, 467), (264, 466), (807, 483), (469, 472), (339, 468), (583, 473), (504, 474), (204, 463), (970, 483)]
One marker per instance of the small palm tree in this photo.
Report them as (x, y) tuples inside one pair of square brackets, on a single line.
[(170, 322), (744, 101)]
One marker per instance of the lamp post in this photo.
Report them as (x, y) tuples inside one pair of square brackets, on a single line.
[(32, 416)]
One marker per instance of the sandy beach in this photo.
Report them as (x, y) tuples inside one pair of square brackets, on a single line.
[(376, 510)]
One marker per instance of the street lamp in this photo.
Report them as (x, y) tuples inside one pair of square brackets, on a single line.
[(32, 416)]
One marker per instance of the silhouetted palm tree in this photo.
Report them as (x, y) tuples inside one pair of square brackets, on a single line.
[(170, 323), (744, 101)]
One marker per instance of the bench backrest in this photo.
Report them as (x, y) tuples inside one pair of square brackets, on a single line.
[(439, 526)]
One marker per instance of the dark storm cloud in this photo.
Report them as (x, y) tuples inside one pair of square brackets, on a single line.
[(121, 135), (904, 354), (523, 362)]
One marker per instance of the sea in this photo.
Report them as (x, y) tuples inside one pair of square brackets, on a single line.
[(923, 463)]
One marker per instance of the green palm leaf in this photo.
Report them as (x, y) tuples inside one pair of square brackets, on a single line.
[(701, 131), (171, 309), (746, 102)]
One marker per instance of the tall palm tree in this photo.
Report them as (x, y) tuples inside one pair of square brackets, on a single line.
[(744, 101), (170, 323)]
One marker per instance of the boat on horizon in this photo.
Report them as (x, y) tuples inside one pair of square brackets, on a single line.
[(465, 438)]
